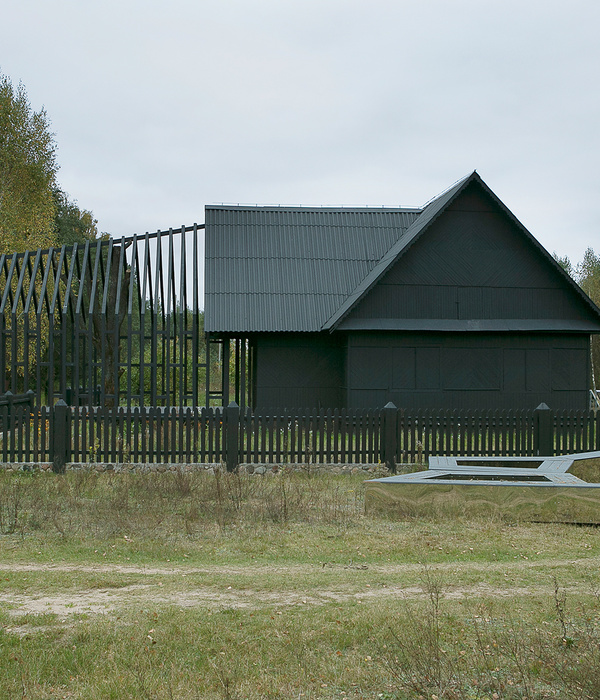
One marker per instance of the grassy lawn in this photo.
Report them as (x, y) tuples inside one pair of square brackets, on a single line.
[(192, 585)]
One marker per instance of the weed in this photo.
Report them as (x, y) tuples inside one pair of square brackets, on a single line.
[(11, 506), (421, 658), (94, 450), (224, 673), (429, 655), (560, 599)]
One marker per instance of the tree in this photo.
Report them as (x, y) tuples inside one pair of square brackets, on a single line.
[(27, 172), (72, 224), (587, 275), (565, 263)]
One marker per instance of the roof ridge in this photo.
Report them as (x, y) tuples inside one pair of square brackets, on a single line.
[(447, 189), (324, 208)]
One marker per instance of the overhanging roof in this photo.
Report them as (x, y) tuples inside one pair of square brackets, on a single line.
[(305, 269), (428, 214), (290, 268)]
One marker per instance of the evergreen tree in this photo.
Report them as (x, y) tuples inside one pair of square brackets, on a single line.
[(587, 275)]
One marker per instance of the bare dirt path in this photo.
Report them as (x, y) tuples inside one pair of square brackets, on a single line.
[(144, 596), (518, 562), (150, 594)]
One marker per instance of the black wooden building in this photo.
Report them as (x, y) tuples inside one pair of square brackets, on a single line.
[(453, 305)]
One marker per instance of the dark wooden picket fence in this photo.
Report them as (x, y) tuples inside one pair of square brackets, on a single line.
[(231, 435), (9, 402)]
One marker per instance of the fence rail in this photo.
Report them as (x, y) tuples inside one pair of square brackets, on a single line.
[(61, 434)]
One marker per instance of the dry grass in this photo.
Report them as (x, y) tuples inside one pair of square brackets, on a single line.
[(197, 586)]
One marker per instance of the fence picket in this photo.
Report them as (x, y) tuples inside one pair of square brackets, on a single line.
[(321, 436), (28, 434)]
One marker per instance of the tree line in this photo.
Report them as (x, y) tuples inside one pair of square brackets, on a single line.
[(35, 212)]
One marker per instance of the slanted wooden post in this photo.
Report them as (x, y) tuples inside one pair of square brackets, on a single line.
[(543, 436), (60, 437), (389, 438), (232, 441)]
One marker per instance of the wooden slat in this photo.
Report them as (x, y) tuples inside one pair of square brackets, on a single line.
[(181, 435)]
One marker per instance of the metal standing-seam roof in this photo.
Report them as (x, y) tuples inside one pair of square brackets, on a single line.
[(290, 268)]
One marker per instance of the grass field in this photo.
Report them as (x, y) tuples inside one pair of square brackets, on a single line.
[(193, 585)]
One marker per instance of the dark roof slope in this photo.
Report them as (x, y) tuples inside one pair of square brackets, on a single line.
[(290, 269), (420, 225), (428, 214), (301, 269)]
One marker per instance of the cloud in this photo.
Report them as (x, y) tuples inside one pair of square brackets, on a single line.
[(160, 108)]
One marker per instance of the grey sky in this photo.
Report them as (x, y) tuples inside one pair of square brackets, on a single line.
[(160, 108)]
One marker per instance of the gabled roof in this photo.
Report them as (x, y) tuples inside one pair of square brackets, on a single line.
[(290, 268), (300, 269), (427, 215)]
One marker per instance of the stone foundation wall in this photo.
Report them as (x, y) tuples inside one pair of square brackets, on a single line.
[(255, 469)]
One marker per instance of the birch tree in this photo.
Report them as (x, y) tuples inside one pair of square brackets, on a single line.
[(27, 172)]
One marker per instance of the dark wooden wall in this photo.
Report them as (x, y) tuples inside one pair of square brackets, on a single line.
[(459, 370), (473, 315), (422, 370), (299, 370), (473, 263)]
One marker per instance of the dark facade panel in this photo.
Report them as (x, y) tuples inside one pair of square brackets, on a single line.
[(471, 369), (567, 374), (474, 263), (431, 370), (467, 370), (299, 370), (473, 250), (404, 368), (414, 369), (473, 199), (538, 369), (467, 303), (513, 366)]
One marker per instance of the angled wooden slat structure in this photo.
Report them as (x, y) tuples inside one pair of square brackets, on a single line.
[(111, 322)]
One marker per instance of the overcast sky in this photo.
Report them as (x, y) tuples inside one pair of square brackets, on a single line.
[(162, 107)]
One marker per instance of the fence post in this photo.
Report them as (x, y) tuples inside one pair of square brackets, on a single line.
[(543, 437), (59, 437), (8, 424), (232, 442), (390, 440), (9, 396)]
